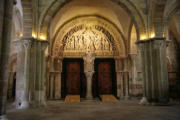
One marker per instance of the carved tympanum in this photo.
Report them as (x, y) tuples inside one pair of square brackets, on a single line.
[(88, 39)]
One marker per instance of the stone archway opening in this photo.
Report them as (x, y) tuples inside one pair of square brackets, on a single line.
[(96, 32)]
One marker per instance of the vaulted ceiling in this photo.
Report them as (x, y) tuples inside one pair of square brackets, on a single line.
[(104, 8)]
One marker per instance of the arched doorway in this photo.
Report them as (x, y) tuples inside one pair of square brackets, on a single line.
[(88, 35)]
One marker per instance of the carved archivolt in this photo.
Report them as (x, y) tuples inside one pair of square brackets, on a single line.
[(88, 34)]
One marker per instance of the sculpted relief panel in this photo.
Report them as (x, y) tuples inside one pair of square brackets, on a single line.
[(82, 35), (88, 39)]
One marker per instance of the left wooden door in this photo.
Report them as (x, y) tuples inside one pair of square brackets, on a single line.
[(73, 78)]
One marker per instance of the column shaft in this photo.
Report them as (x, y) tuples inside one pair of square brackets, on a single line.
[(23, 72), (40, 94), (155, 79), (89, 85), (126, 78), (6, 8), (119, 69), (89, 71)]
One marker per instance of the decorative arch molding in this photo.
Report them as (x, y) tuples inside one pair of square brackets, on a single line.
[(56, 5), (129, 36), (100, 30), (17, 22), (171, 8)]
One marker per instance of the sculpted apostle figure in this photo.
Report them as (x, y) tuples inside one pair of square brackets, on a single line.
[(89, 59)]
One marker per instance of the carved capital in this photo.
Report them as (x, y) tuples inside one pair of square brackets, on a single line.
[(89, 73), (27, 44), (159, 43), (44, 45), (133, 56), (18, 45)]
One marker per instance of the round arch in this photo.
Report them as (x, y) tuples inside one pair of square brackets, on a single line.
[(99, 25), (55, 6), (172, 7)]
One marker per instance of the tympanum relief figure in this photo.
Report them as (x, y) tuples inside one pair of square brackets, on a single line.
[(88, 39)]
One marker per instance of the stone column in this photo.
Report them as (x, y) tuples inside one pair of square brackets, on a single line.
[(143, 59), (134, 73), (155, 73), (126, 78), (52, 69), (23, 47), (6, 8), (89, 75), (122, 86), (119, 75), (89, 71), (40, 93), (58, 79)]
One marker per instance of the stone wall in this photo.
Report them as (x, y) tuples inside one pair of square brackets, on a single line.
[(173, 57)]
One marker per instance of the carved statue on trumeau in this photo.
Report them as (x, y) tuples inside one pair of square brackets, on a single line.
[(89, 60)]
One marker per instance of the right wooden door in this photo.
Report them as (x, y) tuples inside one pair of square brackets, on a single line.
[(105, 78)]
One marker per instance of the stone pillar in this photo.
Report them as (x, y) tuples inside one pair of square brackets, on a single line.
[(126, 78), (23, 47), (119, 75), (122, 86), (40, 93), (89, 71), (89, 75), (134, 73), (58, 79), (155, 73), (143, 59), (6, 8)]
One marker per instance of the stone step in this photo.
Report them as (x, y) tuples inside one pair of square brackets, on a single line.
[(108, 98), (72, 99)]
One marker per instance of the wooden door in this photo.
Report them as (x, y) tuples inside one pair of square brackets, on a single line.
[(73, 78), (105, 78)]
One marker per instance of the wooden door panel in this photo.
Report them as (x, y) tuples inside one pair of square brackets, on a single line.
[(73, 76), (105, 78)]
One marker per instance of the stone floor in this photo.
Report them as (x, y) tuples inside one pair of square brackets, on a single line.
[(123, 110)]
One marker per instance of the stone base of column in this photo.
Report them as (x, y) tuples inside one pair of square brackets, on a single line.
[(38, 104), (122, 97), (21, 100), (22, 105), (144, 101), (126, 97), (39, 99), (3, 117), (89, 98)]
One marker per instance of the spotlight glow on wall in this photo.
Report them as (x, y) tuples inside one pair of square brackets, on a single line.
[(21, 34), (152, 35), (143, 37), (34, 35), (42, 37)]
